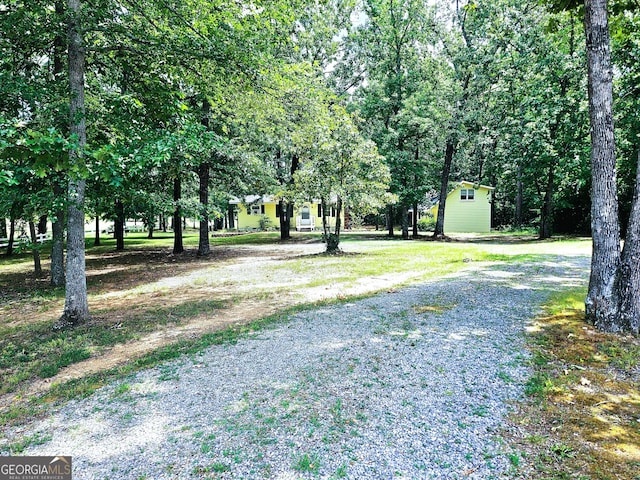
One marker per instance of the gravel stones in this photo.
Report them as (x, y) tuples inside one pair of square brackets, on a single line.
[(413, 383)]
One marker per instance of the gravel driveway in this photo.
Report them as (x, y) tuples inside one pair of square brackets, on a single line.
[(413, 383)]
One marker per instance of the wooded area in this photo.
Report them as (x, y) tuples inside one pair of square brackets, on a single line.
[(156, 109)]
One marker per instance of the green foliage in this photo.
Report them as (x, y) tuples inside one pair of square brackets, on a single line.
[(307, 463), (342, 168), (266, 223), (398, 102), (427, 223), (538, 386)]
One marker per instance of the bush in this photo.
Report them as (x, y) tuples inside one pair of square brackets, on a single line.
[(266, 223), (427, 223)]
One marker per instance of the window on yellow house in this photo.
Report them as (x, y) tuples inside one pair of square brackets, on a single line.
[(255, 209), (467, 194)]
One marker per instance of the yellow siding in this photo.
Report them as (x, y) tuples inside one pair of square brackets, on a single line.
[(467, 215), (246, 220), (270, 211)]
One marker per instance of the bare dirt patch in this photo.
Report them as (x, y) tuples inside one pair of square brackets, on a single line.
[(248, 282)]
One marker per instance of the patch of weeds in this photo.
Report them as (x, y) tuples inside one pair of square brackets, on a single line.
[(206, 443), (381, 329), (539, 385), (48, 370), (168, 372), (307, 463), (63, 359), (219, 467), (127, 417), (462, 425), (216, 467), (407, 325), (562, 451), (505, 377), (480, 411), (341, 472), (16, 448), (536, 439), (435, 308), (621, 354), (235, 454), (336, 410), (315, 420), (122, 389), (514, 459)]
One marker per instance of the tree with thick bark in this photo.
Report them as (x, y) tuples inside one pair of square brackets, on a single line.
[(613, 298), (76, 306)]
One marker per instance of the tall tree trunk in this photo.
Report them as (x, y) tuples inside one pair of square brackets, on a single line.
[(118, 225), (203, 242), (627, 285), (232, 220), (519, 197), (546, 213), (325, 222), (57, 231), (76, 306), (444, 186), (96, 238), (35, 248), (285, 220), (12, 231), (415, 220), (203, 175), (405, 222), (285, 214), (42, 224), (600, 304), (333, 240), (390, 219), (177, 214)]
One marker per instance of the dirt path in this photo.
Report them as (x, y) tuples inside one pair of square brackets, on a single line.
[(232, 274)]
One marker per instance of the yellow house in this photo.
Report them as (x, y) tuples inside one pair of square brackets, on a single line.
[(260, 212), (468, 208)]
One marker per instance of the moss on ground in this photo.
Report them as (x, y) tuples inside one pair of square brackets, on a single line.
[(582, 419)]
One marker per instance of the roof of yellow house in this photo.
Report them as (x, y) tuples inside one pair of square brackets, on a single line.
[(464, 183)]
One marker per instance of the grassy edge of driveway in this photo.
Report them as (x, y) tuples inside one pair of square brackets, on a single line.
[(580, 419)]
